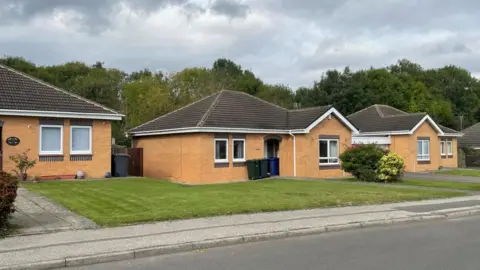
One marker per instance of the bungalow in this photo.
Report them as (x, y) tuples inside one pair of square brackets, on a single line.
[(210, 140), (64, 132), (424, 144)]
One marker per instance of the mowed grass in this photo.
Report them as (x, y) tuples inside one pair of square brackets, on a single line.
[(126, 201), (460, 172), (441, 184)]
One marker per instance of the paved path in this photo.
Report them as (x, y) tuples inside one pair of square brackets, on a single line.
[(75, 248), (447, 245), (35, 214), (442, 177)]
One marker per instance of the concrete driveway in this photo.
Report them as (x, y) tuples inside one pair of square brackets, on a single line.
[(36, 214), (441, 177)]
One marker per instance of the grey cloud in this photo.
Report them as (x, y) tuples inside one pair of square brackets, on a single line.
[(95, 14), (230, 8), (444, 48)]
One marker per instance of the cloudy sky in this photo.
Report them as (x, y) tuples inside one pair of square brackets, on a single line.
[(283, 41)]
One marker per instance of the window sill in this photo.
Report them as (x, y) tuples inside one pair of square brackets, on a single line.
[(444, 156), (239, 160), (221, 161), (329, 166), (423, 162)]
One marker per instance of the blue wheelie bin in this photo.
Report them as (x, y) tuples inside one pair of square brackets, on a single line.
[(274, 166)]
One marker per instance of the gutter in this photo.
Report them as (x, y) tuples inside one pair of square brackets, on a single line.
[(294, 154)]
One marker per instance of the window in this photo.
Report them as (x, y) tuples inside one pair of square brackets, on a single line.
[(81, 140), (442, 148), (51, 140), (328, 152), (450, 148), (221, 150), (238, 150), (423, 150)]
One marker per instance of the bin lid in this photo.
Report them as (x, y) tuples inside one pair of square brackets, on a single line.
[(121, 155)]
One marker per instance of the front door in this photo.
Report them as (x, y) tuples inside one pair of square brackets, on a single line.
[(271, 148)]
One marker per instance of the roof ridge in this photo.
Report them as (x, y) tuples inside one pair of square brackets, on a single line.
[(391, 107), (309, 108), (210, 109), (378, 110), (403, 115), (364, 109), (252, 96), (59, 89), (179, 109)]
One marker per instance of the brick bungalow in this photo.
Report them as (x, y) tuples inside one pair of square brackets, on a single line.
[(424, 144), (65, 133), (209, 141)]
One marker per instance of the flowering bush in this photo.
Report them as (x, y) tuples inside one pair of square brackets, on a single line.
[(390, 167), (362, 161)]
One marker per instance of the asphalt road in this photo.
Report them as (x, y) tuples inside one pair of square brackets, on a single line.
[(453, 244)]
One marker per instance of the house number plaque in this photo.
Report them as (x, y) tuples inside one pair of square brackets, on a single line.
[(13, 141)]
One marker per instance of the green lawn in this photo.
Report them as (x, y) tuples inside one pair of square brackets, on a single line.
[(117, 202), (426, 183), (461, 172), (441, 184)]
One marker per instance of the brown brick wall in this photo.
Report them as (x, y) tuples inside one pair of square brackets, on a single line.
[(27, 130), (406, 147), (189, 158), (307, 149)]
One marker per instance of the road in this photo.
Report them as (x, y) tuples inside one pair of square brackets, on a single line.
[(452, 244)]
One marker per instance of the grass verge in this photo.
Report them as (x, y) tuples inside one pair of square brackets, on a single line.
[(119, 202), (460, 172)]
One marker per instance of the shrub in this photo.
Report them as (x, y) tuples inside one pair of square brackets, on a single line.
[(8, 193), (22, 164), (390, 167), (362, 161)]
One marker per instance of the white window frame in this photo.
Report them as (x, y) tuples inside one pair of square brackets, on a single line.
[(215, 151), (89, 151), (328, 153), (233, 151), (450, 148), (423, 156), (46, 153), (444, 153)]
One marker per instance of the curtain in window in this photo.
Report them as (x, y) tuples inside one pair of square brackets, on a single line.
[(80, 139), (220, 150), (51, 139), (333, 151), (238, 150)]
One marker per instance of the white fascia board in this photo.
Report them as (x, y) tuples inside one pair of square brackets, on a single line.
[(337, 114), (371, 140), (28, 113), (427, 117), (384, 133), (452, 134)]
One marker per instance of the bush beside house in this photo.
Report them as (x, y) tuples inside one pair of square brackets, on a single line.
[(8, 193), (369, 163)]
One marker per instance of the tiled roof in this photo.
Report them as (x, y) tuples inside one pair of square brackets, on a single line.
[(384, 118), (471, 137), (233, 109), (19, 91)]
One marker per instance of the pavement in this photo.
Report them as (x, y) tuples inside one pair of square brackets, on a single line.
[(86, 247), (36, 214), (441, 177), (447, 244)]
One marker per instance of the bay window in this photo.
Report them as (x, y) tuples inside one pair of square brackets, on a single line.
[(81, 140), (328, 151), (51, 140)]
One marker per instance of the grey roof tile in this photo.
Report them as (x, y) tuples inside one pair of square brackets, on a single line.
[(471, 137), (233, 109), (378, 118), (19, 91)]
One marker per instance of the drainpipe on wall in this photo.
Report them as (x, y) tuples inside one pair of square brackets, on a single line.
[(294, 154)]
